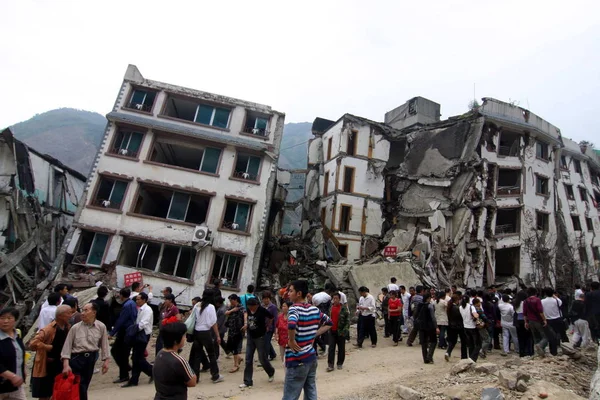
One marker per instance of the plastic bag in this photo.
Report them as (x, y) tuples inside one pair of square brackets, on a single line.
[(66, 388)]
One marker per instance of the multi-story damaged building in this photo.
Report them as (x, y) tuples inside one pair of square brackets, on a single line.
[(39, 197), (476, 199), (180, 189)]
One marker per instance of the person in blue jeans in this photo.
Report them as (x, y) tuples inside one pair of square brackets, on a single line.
[(300, 356)]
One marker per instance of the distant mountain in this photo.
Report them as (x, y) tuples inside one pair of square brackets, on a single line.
[(294, 145), (73, 137)]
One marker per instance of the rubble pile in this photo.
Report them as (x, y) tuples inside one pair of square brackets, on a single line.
[(39, 196)]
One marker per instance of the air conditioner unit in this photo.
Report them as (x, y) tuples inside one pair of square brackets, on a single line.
[(200, 234)]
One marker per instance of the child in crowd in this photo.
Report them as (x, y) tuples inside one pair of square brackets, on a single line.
[(281, 333)]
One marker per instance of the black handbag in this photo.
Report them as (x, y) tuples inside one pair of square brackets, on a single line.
[(134, 335)]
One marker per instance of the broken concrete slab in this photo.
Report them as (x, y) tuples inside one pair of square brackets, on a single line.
[(375, 276), (486, 368), (508, 379), (406, 393), (402, 239), (551, 390), (462, 366)]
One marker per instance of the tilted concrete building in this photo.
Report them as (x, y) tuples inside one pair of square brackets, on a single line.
[(475, 199), (180, 189)]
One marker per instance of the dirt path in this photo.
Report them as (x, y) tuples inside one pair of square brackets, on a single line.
[(363, 369), (368, 374)]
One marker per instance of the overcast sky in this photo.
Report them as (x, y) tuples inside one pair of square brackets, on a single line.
[(308, 59)]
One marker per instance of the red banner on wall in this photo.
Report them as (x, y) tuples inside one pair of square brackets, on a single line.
[(133, 277)]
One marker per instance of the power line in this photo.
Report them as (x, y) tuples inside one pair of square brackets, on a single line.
[(296, 145)]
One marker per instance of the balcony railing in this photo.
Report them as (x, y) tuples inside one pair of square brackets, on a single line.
[(124, 152), (245, 175), (506, 229), (139, 106), (106, 204), (262, 132), (504, 190), (508, 151)]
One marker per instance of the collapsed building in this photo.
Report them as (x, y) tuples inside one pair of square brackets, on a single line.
[(493, 196), (39, 197)]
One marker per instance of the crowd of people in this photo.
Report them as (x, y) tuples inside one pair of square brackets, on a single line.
[(305, 326), (528, 320)]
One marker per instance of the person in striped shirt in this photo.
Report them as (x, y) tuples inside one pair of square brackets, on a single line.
[(305, 322)]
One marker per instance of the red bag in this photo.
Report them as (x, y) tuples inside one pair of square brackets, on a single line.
[(66, 388)]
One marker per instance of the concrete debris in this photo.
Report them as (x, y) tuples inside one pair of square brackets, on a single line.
[(406, 393), (492, 394), (521, 386), (486, 368), (462, 366), (40, 196), (508, 379)]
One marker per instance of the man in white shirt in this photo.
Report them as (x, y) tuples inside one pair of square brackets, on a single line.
[(321, 298), (62, 290), (405, 297), (551, 304), (366, 310), (47, 314), (143, 323), (509, 331), (137, 288), (393, 286)]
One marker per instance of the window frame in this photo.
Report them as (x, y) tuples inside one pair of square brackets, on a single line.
[(583, 194), (569, 192), (156, 271), (241, 258), (547, 180), (329, 146), (77, 248), (118, 129), (576, 226), (546, 222), (198, 103), (589, 223), (352, 133), (346, 168), (141, 183), (183, 141), (104, 175), (126, 104), (249, 154), (348, 218), (249, 202), (577, 166), (565, 166), (545, 149), (256, 115)]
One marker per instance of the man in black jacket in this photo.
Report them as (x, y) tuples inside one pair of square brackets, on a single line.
[(12, 357), (592, 310)]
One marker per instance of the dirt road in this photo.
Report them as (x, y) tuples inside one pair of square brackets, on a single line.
[(384, 365)]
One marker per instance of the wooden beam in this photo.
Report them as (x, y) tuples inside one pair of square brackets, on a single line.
[(11, 260)]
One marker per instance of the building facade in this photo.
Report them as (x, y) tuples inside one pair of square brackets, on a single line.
[(352, 153), (180, 189), (479, 198)]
